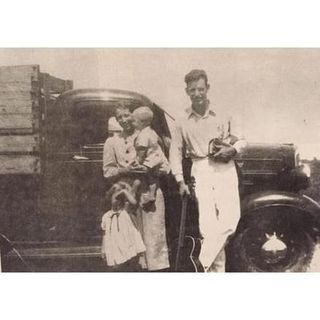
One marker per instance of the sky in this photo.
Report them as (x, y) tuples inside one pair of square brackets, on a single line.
[(273, 94)]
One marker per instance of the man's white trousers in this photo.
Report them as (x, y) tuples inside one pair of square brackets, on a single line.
[(219, 205)]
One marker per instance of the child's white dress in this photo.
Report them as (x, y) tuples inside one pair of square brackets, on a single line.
[(121, 241)]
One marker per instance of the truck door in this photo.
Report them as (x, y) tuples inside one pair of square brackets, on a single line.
[(74, 185)]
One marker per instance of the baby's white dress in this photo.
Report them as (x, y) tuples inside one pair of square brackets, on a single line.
[(121, 241)]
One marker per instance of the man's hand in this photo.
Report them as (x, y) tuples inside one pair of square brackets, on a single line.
[(225, 154), (124, 171), (183, 189)]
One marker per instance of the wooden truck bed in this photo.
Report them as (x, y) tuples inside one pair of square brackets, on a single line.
[(24, 94)]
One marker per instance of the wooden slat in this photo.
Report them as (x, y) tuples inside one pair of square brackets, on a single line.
[(16, 95), (18, 121), (16, 86), (54, 85), (25, 143), (19, 164), (19, 87), (19, 73), (16, 106), (16, 131)]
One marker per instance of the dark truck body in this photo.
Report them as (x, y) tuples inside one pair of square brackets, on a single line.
[(52, 215), (52, 199)]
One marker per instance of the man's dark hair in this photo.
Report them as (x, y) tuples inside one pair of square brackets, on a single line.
[(195, 75)]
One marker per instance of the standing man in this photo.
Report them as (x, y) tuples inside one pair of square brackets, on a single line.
[(216, 180)]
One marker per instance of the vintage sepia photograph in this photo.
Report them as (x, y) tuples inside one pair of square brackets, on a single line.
[(159, 160)]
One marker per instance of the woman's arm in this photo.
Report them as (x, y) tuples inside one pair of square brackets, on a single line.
[(103, 223), (110, 164)]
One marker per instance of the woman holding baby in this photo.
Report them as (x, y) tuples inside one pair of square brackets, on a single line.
[(135, 161)]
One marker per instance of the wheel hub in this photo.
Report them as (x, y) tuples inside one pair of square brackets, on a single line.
[(274, 249)]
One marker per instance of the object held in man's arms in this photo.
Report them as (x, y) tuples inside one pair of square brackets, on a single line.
[(215, 146)]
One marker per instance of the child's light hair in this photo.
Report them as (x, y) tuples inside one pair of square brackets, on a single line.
[(144, 114)]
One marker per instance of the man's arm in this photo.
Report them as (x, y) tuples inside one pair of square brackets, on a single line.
[(176, 156), (233, 136)]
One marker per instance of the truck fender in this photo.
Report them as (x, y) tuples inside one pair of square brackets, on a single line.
[(305, 205), (279, 198)]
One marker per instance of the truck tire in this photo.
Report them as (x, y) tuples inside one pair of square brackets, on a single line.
[(273, 239)]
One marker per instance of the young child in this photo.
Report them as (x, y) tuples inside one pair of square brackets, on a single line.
[(149, 152), (121, 241)]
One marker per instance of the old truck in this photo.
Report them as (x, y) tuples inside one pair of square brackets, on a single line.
[(52, 188)]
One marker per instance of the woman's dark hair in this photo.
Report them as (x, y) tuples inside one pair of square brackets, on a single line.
[(195, 75), (122, 106)]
